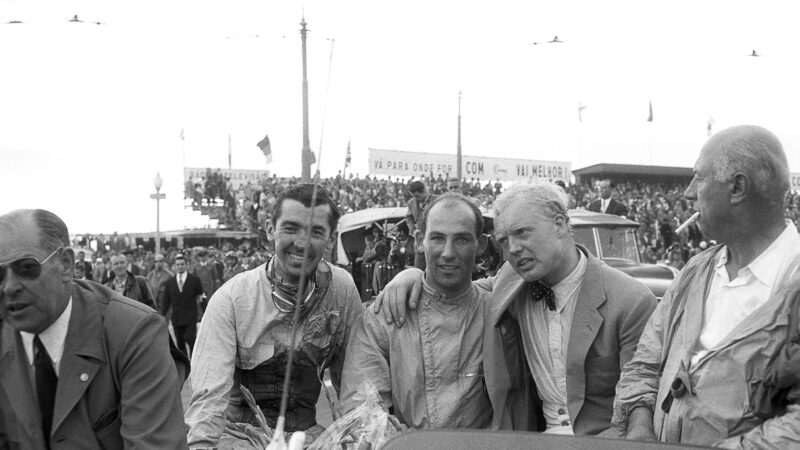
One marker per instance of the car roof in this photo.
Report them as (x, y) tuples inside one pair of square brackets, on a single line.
[(361, 218), (583, 218)]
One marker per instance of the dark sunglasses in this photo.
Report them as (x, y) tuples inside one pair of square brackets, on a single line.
[(27, 268)]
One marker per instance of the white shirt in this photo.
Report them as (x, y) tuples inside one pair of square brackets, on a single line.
[(730, 302), (604, 204), (52, 338), (545, 338)]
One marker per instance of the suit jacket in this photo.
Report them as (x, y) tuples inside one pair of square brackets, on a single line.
[(610, 314), (116, 388), (210, 277), (136, 288), (184, 304), (615, 207)]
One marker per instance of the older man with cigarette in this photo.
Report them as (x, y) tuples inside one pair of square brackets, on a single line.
[(719, 361)]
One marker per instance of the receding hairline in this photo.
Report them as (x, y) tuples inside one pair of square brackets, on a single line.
[(455, 201)]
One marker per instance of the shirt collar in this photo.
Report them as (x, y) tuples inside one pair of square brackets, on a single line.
[(452, 298), (563, 289), (767, 265), (52, 338)]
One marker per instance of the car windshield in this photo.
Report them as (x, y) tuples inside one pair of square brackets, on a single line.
[(619, 242)]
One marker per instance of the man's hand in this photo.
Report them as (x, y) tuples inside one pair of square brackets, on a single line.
[(640, 425), (296, 442), (405, 287)]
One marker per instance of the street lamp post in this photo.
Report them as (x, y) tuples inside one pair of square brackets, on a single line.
[(157, 183)]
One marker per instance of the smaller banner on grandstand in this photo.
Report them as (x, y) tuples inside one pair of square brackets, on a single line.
[(408, 164), (794, 179), (218, 178)]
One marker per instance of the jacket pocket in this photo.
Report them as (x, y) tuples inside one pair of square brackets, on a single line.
[(105, 419)]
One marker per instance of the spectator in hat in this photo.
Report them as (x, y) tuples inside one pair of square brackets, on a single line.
[(232, 266)]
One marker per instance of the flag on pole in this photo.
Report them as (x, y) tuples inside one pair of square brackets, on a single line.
[(311, 157), (182, 134), (709, 126), (229, 150), (347, 158), (580, 108), (650, 116), (266, 148)]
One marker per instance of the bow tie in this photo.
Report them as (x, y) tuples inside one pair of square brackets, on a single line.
[(539, 291)]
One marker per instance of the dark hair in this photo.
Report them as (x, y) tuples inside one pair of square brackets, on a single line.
[(302, 193), (416, 186), (52, 230), (453, 197)]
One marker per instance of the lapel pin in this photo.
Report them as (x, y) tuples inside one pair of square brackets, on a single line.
[(84, 377)]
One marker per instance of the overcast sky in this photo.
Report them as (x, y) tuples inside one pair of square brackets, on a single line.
[(90, 113)]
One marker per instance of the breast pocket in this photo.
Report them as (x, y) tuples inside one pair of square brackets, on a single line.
[(322, 333), (471, 381)]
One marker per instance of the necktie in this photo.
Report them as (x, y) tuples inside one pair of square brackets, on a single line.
[(180, 283), (46, 383), (539, 291)]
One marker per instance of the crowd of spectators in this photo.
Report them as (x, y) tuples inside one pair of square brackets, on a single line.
[(659, 208)]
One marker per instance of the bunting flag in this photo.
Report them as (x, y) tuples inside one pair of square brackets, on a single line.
[(347, 158), (710, 126), (580, 108), (266, 148), (650, 116)]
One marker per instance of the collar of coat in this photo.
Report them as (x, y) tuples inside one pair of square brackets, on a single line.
[(83, 356), (508, 286)]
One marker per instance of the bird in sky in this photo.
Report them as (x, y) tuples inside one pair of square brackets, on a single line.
[(555, 40)]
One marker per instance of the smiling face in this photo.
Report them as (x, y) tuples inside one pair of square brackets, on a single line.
[(537, 247), (119, 265), (450, 246), (26, 304), (293, 235)]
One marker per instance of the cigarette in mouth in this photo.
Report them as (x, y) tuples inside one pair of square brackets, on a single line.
[(688, 221)]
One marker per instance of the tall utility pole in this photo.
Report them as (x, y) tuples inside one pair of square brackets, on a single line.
[(306, 156), (458, 148)]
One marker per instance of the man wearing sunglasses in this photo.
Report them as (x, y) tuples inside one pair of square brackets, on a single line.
[(80, 365)]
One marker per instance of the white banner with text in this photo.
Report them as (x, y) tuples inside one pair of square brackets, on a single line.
[(412, 164)]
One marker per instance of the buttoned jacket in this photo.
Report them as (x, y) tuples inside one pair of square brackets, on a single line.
[(611, 311), (117, 384), (183, 301)]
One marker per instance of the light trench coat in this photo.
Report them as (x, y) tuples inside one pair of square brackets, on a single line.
[(715, 408)]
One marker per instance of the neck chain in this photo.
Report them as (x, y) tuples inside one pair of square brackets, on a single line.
[(284, 293)]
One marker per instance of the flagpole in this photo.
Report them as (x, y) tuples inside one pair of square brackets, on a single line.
[(183, 147), (305, 159), (580, 135), (458, 146), (651, 143), (229, 151)]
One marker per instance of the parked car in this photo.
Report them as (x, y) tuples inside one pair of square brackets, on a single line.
[(610, 238)]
